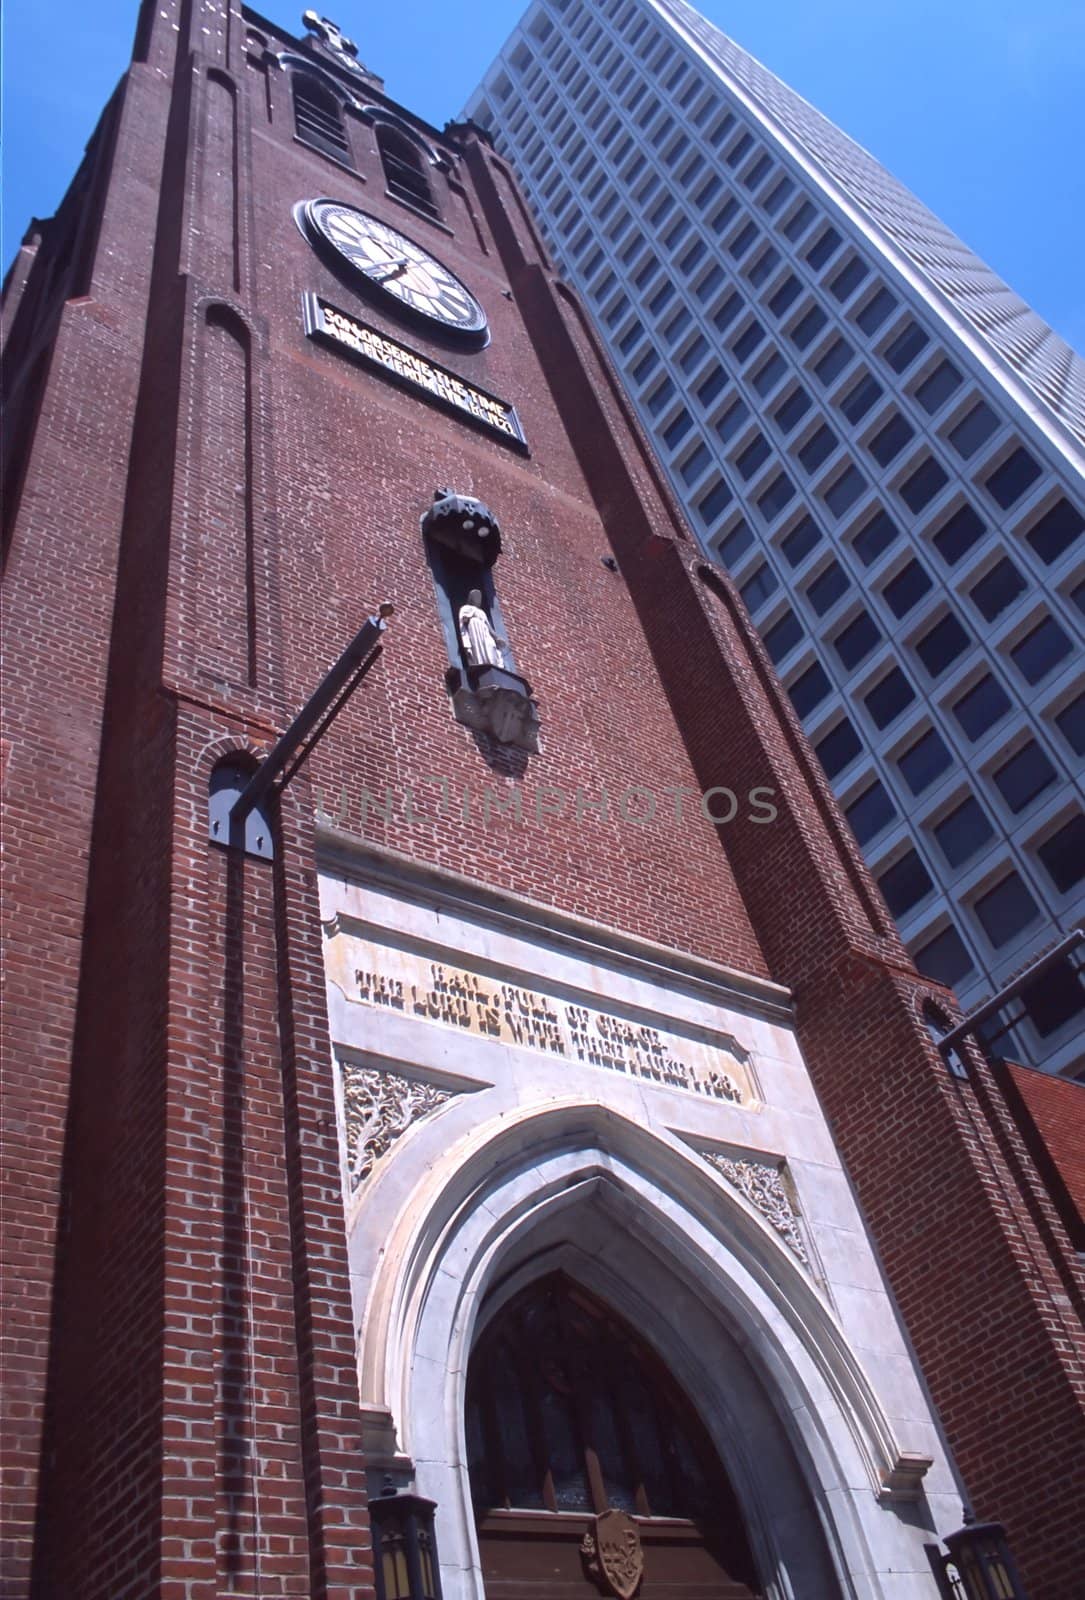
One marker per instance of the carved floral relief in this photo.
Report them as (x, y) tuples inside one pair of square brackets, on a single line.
[(763, 1184), (378, 1109)]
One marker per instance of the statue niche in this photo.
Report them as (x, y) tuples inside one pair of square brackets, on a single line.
[(463, 541)]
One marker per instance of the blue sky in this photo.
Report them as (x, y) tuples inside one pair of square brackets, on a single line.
[(975, 104)]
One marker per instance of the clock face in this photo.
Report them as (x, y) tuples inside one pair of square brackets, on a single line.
[(395, 267)]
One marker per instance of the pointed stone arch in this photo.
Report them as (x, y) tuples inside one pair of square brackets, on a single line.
[(455, 1224)]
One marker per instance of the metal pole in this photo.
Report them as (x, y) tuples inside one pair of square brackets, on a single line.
[(364, 644), (948, 1040)]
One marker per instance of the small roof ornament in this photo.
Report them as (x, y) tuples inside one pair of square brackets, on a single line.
[(343, 51), (465, 525), (460, 128)]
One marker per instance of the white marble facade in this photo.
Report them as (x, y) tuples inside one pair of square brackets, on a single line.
[(519, 1091)]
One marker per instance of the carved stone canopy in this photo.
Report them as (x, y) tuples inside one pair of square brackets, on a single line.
[(467, 126), (465, 525)]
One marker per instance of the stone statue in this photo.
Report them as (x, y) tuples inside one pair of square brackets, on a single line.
[(481, 645)]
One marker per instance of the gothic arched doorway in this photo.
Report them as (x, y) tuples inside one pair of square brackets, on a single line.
[(569, 1414)]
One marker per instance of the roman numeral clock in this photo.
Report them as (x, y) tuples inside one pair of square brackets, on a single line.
[(393, 271)]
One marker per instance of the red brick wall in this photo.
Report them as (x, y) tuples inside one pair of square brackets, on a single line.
[(58, 607), (351, 493), (1054, 1111), (167, 1093), (266, 496)]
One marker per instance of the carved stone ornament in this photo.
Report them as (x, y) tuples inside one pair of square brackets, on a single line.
[(465, 525), (378, 1108), (904, 1479), (501, 705), (481, 645), (613, 1554), (344, 50), (762, 1183)]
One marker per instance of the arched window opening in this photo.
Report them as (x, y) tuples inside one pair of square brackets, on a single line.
[(404, 170), (318, 118), (569, 1412)]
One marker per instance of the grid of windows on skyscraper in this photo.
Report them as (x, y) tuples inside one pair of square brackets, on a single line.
[(874, 436)]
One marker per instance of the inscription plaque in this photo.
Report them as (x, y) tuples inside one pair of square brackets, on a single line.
[(327, 325), (448, 996)]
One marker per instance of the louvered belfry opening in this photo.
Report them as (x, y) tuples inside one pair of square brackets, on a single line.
[(404, 171), (318, 119)]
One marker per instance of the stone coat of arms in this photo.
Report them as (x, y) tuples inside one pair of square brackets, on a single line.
[(613, 1554)]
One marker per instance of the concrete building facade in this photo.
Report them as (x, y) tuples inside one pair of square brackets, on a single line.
[(878, 440)]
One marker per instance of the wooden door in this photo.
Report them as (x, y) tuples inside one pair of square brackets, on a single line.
[(570, 1414)]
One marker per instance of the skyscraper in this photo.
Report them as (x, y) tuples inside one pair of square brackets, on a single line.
[(876, 437)]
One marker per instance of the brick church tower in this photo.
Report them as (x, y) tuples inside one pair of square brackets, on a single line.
[(515, 1159)]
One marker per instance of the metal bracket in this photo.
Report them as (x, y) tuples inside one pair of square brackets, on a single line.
[(239, 814), (252, 832)]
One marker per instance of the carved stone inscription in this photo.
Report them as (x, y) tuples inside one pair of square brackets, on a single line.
[(451, 997), (346, 335)]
